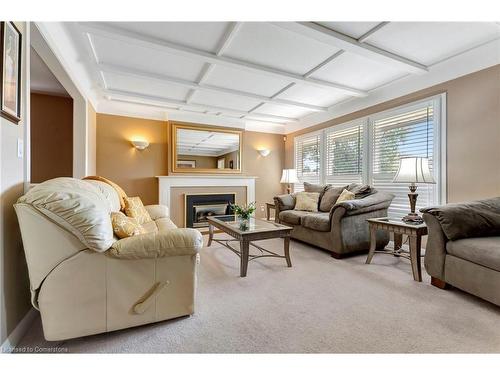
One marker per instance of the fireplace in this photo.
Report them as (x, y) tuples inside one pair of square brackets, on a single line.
[(198, 207)]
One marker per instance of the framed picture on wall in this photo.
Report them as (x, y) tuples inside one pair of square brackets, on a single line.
[(10, 68)]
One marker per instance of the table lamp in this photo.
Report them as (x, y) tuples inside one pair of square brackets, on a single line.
[(289, 177), (413, 170)]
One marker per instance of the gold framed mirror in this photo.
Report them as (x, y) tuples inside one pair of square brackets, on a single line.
[(205, 149)]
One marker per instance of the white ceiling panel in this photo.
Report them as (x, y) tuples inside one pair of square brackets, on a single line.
[(431, 42), (352, 29), (245, 81), (269, 45), (146, 59), (313, 95), (277, 110), (224, 100), (263, 58), (140, 86), (358, 71), (200, 35)]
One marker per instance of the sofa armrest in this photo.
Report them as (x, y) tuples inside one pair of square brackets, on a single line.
[(157, 211), (373, 202), (171, 242), (283, 203), (471, 219), (435, 249)]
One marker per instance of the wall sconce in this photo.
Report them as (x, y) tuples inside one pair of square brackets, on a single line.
[(139, 144), (264, 152)]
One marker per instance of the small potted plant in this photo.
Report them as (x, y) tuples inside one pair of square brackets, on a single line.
[(243, 213)]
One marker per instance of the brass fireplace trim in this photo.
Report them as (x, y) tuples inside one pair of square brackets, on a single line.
[(185, 202)]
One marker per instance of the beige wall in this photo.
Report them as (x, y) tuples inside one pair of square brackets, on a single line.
[(228, 157), (14, 286), (473, 132), (135, 170), (119, 161), (51, 137), (201, 161)]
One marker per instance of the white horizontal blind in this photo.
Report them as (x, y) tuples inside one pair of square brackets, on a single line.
[(408, 133), (307, 160), (344, 155)]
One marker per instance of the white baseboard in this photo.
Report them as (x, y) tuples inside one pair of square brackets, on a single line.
[(17, 333)]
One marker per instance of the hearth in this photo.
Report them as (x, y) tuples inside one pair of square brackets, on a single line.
[(200, 206)]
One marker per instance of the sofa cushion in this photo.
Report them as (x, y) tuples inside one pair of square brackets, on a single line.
[(465, 220), (330, 198), (77, 206), (345, 196), (319, 222), (315, 188), (134, 208), (109, 192), (121, 193), (124, 226), (306, 201), (484, 251), (360, 190), (293, 216)]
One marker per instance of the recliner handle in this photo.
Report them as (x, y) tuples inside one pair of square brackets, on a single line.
[(145, 301)]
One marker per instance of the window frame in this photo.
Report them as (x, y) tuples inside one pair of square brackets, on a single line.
[(438, 102)]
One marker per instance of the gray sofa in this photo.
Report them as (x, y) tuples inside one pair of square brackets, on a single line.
[(342, 229), (463, 247)]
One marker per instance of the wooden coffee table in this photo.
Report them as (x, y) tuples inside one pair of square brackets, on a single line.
[(254, 230)]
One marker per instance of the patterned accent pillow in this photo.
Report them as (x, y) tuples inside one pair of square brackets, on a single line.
[(307, 201), (124, 226), (134, 208), (345, 196)]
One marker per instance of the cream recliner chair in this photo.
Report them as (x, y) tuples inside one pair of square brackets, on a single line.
[(86, 281)]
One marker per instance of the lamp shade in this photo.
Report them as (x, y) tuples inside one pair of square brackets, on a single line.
[(414, 170), (289, 176)]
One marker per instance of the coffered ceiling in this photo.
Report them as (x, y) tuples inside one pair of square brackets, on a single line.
[(273, 76)]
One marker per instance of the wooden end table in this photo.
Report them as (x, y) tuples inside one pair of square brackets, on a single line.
[(399, 227), (269, 207), (255, 230)]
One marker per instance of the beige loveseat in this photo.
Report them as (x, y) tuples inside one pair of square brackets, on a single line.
[(86, 281)]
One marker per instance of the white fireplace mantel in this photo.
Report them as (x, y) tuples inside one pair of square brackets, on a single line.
[(166, 183)]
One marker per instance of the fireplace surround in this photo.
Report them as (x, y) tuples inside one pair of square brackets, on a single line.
[(172, 190)]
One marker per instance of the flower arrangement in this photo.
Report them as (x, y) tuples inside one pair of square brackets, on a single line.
[(243, 212)]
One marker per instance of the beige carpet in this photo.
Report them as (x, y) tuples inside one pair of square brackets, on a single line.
[(321, 305)]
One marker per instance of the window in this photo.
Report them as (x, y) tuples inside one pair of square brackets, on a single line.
[(368, 151), (344, 154), (307, 159), (408, 132)]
